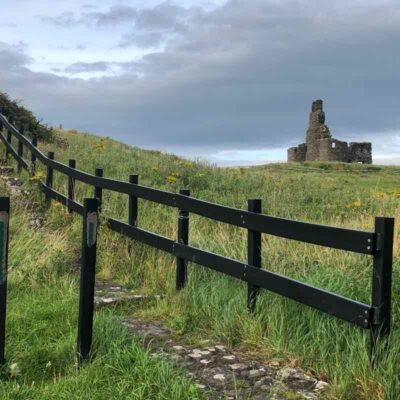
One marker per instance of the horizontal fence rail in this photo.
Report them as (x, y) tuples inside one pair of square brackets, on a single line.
[(341, 307), (378, 244), (339, 238)]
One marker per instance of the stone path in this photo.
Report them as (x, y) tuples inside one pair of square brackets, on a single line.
[(109, 294), (225, 373)]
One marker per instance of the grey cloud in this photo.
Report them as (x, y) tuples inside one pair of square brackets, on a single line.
[(76, 68), (116, 15), (13, 56), (141, 40), (241, 76), (66, 19), (148, 26)]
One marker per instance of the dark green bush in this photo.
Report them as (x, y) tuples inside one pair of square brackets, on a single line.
[(22, 117)]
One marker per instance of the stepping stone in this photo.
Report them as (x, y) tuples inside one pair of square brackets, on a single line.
[(237, 367), (219, 377)]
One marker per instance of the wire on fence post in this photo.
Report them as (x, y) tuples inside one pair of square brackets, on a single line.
[(33, 155), (20, 151), (4, 224), (382, 283), (87, 283), (133, 203), (71, 184), (183, 238), (253, 255), (98, 191), (49, 178)]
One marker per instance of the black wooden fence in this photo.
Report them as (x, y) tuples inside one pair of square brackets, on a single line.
[(375, 317)]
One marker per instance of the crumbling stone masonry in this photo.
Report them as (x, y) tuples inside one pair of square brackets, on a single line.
[(320, 146)]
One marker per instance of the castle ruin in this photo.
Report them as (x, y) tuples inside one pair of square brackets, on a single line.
[(320, 146)]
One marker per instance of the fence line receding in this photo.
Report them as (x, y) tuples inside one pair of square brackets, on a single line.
[(378, 244)]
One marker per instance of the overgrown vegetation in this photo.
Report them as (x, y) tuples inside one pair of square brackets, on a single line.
[(24, 119), (213, 305)]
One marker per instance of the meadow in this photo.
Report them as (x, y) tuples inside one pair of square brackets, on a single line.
[(212, 305)]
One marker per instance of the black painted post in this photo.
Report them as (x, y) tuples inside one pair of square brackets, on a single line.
[(133, 203), (253, 255), (183, 237), (20, 150), (9, 139), (98, 191), (87, 283), (71, 184), (4, 223), (9, 136), (1, 131), (33, 155), (49, 177), (382, 282)]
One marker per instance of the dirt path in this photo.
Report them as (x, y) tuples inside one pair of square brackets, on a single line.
[(227, 373)]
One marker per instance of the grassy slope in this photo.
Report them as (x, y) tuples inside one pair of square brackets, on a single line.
[(42, 323), (214, 305)]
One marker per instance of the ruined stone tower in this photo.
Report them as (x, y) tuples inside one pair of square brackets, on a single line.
[(320, 146)]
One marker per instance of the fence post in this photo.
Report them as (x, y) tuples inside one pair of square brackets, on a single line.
[(133, 203), (4, 223), (9, 136), (71, 184), (253, 255), (98, 191), (87, 283), (49, 177), (20, 150), (382, 282), (1, 131), (183, 237), (33, 155)]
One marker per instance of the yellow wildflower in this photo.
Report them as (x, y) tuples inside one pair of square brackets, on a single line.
[(99, 146), (185, 163), (171, 178), (39, 175), (357, 203)]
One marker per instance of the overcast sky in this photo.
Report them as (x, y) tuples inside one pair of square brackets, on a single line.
[(229, 81)]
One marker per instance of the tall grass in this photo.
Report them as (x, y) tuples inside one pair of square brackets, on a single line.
[(42, 313), (213, 305)]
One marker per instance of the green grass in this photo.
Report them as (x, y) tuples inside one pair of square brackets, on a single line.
[(213, 305), (42, 327)]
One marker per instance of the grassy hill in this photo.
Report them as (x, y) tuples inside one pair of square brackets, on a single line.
[(214, 306)]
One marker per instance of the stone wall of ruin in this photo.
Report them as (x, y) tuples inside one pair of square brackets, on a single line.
[(360, 152), (320, 146), (297, 154), (316, 131), (333, 150)]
